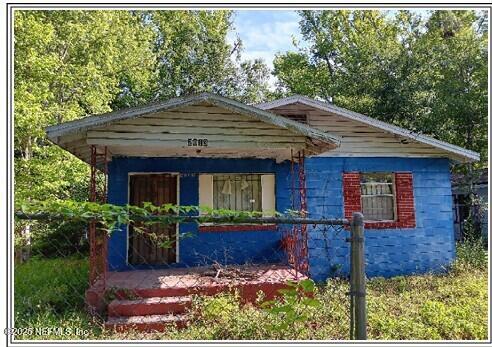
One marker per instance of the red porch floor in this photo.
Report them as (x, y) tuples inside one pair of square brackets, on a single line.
[(153, 297)]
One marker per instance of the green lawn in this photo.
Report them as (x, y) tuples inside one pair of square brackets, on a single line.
[(49, 293)]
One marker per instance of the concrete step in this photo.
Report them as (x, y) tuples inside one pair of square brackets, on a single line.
[(150, 323), (149, 306), (247, 290)]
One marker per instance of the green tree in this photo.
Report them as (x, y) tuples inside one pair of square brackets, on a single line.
[(194, 56), (70, 64), (449, 80), (429, 75)]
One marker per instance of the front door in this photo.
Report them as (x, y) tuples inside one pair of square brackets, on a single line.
[(158, 189)]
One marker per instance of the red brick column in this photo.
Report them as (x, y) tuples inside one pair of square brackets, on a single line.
[(405, 205), (351, 193)]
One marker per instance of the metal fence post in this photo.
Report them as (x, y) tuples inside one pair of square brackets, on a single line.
[(358, 278)]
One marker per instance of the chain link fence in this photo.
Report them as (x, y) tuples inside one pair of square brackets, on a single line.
[(261, 272)]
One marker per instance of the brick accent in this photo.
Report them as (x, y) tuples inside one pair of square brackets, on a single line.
[(405, 204), (405, 207), (351, 193), (226, 228)]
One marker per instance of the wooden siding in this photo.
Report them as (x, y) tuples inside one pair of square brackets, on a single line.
[(359, 139), (223, 130), (166, 133)]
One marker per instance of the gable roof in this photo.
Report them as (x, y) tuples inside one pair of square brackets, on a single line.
[(465, 154), (89, 122)]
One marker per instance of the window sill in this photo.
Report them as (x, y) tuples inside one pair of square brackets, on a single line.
[(388, 225), (240, 227)]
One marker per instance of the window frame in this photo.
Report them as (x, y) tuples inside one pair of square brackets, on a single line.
[(394, 200), (214, 227), (405, 199)]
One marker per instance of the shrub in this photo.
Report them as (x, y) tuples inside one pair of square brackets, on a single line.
[(60, 239), (471, 254)]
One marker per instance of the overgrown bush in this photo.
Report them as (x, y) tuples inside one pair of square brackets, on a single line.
[(60, 239), (471, 254)]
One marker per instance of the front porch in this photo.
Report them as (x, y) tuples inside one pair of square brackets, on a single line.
[(149, 300)]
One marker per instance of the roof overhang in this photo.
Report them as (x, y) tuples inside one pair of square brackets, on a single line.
[(73, 135), (456, 153)]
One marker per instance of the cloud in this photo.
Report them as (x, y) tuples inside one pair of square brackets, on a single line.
[(265, 33)]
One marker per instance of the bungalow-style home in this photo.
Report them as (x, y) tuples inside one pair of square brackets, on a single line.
[(213, 151)]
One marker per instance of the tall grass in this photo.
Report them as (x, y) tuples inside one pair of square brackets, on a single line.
[(49, 293), (451, 306)]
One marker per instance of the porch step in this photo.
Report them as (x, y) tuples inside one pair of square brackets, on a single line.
[(149, 306), (156, 322)]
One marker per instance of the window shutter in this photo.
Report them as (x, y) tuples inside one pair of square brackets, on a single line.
[(268, 194), (351, 193), (405, 205), (206, 191)]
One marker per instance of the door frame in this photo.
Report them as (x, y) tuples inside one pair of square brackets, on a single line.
[(134, 173)]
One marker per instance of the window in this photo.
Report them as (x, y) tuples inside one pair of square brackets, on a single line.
[(238, 192), (377, 196), (385, 199), (241, 192)]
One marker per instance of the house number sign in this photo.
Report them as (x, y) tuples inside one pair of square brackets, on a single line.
[(197, 142)]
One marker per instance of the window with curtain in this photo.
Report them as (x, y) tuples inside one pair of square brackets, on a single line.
[(240, 192), (378, 196)]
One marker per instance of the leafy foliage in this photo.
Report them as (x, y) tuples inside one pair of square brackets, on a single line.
[(471, 254), (110, 217), (69, 64), (294, 306), (425, 74)]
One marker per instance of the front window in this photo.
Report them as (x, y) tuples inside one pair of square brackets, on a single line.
[(239, 192), (378, 196)]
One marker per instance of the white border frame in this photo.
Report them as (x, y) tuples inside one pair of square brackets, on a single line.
[(134, 173)]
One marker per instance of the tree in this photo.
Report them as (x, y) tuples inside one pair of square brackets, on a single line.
[(429, 75), (193, 56), (70, 64)]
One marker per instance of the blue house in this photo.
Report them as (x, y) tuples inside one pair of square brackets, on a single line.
[(213, 151)]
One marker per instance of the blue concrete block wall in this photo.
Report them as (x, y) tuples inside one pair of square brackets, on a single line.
[(389, 252), (202, 247)]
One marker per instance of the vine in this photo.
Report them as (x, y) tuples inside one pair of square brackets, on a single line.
[(109, 217)]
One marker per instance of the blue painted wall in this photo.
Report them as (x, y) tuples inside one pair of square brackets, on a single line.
[(389, 252), (202, 247)]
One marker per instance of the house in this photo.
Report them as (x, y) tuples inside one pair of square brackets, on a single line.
[(461, 206), (210, 150)]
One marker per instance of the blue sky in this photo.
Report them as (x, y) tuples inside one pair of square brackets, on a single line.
[(265, 33)]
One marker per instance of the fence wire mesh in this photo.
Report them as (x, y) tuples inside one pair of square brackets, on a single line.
[(55, 299)]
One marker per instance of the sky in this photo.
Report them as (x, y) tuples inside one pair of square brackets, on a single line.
[(265, 33)]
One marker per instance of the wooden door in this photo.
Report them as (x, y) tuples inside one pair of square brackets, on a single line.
[(158, 189)]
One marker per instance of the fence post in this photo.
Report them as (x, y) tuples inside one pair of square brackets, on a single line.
[(358, 277)]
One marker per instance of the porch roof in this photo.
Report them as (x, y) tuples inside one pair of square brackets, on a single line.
[(202, 125)]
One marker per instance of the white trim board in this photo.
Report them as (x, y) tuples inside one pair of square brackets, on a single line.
[(464, 154)]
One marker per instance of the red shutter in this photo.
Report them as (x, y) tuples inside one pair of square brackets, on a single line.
[(351, 193), (405, 207)]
